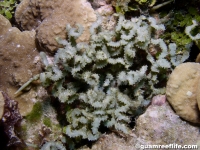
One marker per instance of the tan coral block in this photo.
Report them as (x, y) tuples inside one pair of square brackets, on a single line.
[(30, 13), (79, 12), (50, 18), (181, 91), (17, 53)]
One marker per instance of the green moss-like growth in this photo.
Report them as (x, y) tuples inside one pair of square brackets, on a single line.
[(7, 8), (36, 113), (176, 25), (141, 6), (47, 122)]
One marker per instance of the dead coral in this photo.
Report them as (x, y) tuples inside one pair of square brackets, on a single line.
[(50, 18)]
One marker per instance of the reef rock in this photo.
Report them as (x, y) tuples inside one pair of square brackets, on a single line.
[(11, 117), (2, 103), (99, 3), (108, 19), (40, 125), (50, 18), (181, 91), (111, 142), (17, 52), (159, 125)]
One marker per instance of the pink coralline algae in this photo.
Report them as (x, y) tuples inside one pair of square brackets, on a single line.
[(158, 100)]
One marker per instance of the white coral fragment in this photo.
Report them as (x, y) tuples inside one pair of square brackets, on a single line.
[(73, 32), (188, 30), (154, 24), (53, 145)]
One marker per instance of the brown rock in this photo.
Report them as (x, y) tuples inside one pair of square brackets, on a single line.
[(17, 53), (181, 91), (2, 103), (50, 18)]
